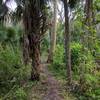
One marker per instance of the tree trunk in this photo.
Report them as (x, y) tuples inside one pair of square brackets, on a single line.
[(53, 33), (35, 23), (89, 12), (89, 20), (34, 50), (31, 31), (25, 49), (35, 64), (67, 39), (25, 37), (35, 56)]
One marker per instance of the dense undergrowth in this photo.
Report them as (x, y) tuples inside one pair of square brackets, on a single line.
[(85, 75), (14, 75)]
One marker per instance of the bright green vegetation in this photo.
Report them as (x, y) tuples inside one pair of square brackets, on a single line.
[(89, 89), (13, 73), (90, 86)]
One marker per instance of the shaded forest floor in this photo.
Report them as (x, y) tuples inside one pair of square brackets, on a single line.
[(49, 88)]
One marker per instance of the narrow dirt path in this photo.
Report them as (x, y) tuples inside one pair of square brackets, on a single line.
[(53, 87), (48, 88)]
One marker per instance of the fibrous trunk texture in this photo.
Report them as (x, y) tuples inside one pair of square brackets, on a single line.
[(34, 24), (35, 56)]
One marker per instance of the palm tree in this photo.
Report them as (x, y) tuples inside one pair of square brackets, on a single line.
[(35, 25), (34, 18)]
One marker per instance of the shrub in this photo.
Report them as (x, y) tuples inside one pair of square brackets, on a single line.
[(58, 67), (59, 55), (89, 89), (10, 35), (84, 63), (76, 53), (12, 70), (20, 94), (78, 56)]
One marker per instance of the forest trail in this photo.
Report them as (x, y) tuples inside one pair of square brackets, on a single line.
[(49, 88), (53, 87)]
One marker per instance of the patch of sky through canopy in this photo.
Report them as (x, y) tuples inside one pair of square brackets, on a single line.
[(11, 4)]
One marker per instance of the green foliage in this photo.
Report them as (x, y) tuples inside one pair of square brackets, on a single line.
[(60, 31), (10, 35), (58, 66), (20, 94), (45, 43), (59, 55), (83, 63), (77, 29), (97, 4), (89, 87), (76, 54), (12, 70), (3, 34), (77, 57)]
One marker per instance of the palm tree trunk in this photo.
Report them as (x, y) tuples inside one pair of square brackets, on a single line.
[(35, 56), (25, 49), (33, 38)]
